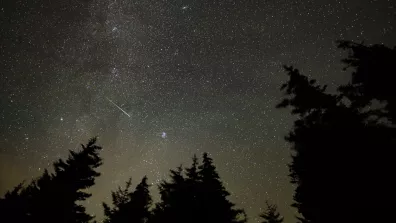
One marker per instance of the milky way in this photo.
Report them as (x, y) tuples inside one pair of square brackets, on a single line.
[(183, 77)]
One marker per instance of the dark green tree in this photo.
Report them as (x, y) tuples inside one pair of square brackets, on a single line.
[(193, 191), (341, 155), (271, 214), (372, 77), (172, 205), (196, 194), (14, 205), (120, 198), (54, 197), (192, 172), (215, 205), (129, 206)]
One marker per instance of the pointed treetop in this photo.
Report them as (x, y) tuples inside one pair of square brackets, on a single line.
[(207, 169), (271, 214), (55, 195), (192, 172), (129, 205), (143, 185)]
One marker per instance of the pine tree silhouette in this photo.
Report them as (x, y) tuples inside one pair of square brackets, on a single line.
[(128, 206), (335, 146), (120, 198), (196, 194), (54, 197), (173, 204), (14, 206), (216, 207), (372, 77), (271, 214), (192, 172)]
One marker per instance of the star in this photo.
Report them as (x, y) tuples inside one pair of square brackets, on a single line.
[(209, 72)]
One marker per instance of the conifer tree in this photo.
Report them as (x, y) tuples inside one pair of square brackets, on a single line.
[(193, 189), (196, 194), (336, 145), (119, 200), (271, 214), (215, 205), (173, 205), (372, 77), (128, 206), (14, 206), (192, 172), (53, 197)]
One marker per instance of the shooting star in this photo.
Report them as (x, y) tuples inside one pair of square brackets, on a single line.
[(118, 107)]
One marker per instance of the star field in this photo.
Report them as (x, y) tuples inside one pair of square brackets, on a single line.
[(159, 81)]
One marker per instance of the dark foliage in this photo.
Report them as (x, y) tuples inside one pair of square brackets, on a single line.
[(54, 197), (172, 207), (372, 78), (271, 214), (128, 206), (341, 160), (196, 194), (214, 195)]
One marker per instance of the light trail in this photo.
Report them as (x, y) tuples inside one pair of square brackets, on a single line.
[(118, 107)]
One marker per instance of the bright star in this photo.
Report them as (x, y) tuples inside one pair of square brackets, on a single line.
[(185, 7), (163, 135)]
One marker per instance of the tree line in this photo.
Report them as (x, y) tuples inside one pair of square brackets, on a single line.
[(192, 194), (342, 145)]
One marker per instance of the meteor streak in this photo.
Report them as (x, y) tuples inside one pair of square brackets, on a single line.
[(118, 107)]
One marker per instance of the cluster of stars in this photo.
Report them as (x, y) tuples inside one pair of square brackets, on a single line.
[(159, 81)]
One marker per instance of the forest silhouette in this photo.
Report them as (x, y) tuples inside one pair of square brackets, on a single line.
[(341, 163)]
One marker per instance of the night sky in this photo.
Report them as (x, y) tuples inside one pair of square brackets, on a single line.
[(160, 80)]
